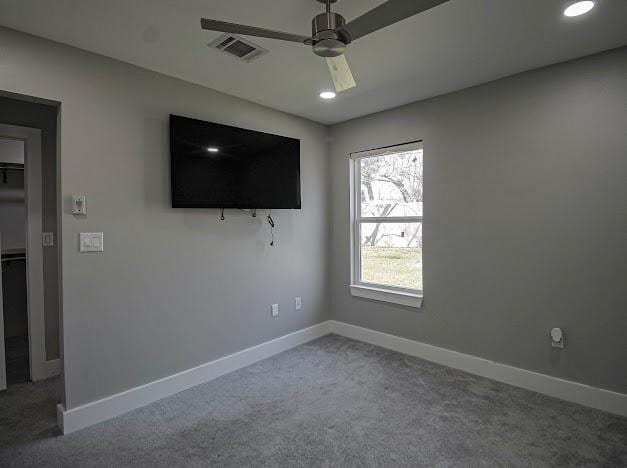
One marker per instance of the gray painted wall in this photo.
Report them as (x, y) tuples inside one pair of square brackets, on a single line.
[(525, 219), (44, 117), (12, 210), (12, 218), (174, 288), (11, 151)]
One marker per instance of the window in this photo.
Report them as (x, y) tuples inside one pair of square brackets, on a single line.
[(387, 224)]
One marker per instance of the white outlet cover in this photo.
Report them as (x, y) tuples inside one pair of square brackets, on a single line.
[(557, 338), (275, 310)]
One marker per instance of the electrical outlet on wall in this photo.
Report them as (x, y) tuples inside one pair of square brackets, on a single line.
[(298, 304), (557, 338), (275, 310)]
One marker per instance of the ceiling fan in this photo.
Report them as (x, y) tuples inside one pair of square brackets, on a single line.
[(330, 34)]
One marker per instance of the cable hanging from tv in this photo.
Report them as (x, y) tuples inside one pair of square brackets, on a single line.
[(271, 223), (253, 213)]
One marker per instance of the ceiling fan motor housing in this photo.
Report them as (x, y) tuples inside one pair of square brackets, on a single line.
[(329, 40)]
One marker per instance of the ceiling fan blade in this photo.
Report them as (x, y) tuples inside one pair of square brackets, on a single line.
[(341, 73), (386, 14), (223, 26)]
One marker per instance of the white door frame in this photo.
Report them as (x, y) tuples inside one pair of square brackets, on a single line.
[(39, 368)]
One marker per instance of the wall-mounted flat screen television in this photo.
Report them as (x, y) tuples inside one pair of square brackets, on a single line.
[(218, 166)]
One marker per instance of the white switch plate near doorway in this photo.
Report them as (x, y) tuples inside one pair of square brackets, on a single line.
[(78, 205), (47, 239), (91, 242)]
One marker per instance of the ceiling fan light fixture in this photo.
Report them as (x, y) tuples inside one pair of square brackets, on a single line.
[(327, 39), (578, 8), (327, 95), (329, 48)]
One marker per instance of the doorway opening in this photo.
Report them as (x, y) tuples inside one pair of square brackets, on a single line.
[(22, 267), (31, 380)]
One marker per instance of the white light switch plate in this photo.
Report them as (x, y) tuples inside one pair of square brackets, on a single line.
[(47, 239), (298, 303), (78, 205), (91, 242), (275, 310)]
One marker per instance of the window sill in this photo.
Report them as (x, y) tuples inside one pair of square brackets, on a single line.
[(387, 295)]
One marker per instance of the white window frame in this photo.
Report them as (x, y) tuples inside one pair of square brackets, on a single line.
[(379, 292)]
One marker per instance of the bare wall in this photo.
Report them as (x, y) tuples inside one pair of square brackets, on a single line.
[(12, 211), (173, 288), (525, 219)]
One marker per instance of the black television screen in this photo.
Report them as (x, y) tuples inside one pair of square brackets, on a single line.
[(218, 166)]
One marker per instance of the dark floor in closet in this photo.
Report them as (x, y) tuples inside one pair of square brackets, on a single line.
[(16, 349)]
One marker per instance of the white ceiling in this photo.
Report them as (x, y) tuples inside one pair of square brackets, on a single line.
[(453, 46)]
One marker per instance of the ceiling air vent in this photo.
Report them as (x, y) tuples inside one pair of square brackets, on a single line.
[(238, 47)]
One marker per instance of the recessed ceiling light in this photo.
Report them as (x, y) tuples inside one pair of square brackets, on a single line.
[(579, 8), (327, 94), (213, 149)]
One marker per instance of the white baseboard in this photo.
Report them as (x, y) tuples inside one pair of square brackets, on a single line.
[(120, 403), (586, 395)]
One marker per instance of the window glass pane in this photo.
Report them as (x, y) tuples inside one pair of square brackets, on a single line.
[(391, 254), (391, 185)]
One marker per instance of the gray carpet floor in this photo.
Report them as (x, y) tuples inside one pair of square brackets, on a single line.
[(331, 402)]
